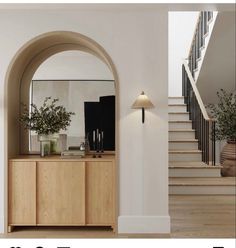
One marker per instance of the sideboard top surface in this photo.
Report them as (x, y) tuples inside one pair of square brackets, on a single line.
[(58, 158)]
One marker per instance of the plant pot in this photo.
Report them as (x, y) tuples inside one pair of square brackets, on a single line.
[(228, 159), (48, 144), (45, 145), (54, 142)]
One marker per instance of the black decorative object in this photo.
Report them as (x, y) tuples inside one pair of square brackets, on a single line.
[(101, 116)]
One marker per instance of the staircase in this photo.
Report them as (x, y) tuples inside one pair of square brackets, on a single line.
[(188, 174)]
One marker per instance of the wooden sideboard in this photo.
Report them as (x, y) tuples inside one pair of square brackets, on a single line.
[(55, 191)]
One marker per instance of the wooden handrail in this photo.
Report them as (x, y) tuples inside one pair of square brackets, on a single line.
[(198, 97)]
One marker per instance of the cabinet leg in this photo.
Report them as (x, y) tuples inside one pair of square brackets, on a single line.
[(10, 229), (114, 228)]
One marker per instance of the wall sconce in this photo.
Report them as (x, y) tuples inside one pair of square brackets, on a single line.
[(142, 102)]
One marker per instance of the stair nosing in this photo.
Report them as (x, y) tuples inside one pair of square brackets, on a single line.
[(184, 141), (185, 151), (187, 121), (199, 184), (175, 97), (211, 167), (181, 130), (179, 113), (177, 104)]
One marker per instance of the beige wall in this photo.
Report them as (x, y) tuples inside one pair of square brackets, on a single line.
[(136, 38), (140, 56)]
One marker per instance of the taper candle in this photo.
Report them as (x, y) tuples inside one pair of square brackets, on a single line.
[(93, 135)]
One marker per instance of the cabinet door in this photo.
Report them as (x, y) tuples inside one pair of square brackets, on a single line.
[(22, 193), (61, 193), (100, 207)]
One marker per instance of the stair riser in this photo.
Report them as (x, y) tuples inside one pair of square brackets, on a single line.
[(183, 145), (180, 125), (178, 117), (192, 157), (201, 190), (176, 101), (181, 135), (180, 108), (193, 172)]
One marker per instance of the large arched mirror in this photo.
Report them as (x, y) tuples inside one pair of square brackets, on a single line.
[(84, 85)]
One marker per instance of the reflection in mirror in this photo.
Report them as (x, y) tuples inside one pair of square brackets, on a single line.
[(92, 101), (84, 85)]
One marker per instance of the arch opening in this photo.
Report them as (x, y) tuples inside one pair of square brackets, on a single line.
[(20, 73)]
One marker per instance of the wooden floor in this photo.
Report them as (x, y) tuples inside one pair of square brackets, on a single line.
[(191, 217), (208, 216)]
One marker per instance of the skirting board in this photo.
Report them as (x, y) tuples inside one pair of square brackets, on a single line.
[(144, 224), (2, 225)]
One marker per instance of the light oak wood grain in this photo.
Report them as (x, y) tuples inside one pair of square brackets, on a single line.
[(75, 192), (100, 204), (22, 193), (191, 217), (61, 193)]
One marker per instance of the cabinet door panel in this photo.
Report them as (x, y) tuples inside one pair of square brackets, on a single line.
[(100, 193), (22, 193), (61, 193)]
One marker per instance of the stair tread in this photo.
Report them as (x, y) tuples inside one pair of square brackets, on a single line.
[(177, 104), (195, 165), (188, 121), (202, 181), (184, 140), (187, 113), (174, 97), (181, 130), (184, 151)]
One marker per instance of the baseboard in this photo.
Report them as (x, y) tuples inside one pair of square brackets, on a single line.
[(2, 222), (143, 224)]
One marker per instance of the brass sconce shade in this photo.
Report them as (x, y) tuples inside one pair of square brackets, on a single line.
[(142, 102)]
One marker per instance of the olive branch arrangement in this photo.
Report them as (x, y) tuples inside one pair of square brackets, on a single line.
[(225, 114), (48, 119)]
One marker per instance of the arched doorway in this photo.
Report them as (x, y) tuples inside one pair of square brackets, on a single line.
[(20, 73)]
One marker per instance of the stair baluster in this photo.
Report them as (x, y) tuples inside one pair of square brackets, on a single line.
[(203, 125)]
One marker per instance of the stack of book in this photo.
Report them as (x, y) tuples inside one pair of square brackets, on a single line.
[(73, 153)]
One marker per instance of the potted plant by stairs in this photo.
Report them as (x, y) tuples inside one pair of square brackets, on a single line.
[(225, 114), (47, 121)]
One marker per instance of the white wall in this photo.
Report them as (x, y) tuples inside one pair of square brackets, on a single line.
[(137, 41), (73, 65), (181, 30)]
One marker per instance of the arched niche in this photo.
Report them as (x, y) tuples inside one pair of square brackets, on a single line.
[(26, 62), (20, 73)]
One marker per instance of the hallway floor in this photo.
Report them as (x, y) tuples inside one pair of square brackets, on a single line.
[(208, 216)]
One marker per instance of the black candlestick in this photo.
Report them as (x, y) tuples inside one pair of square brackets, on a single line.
[(102, 138)]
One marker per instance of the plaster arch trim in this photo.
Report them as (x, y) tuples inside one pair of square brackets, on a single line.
[(19, 75)]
